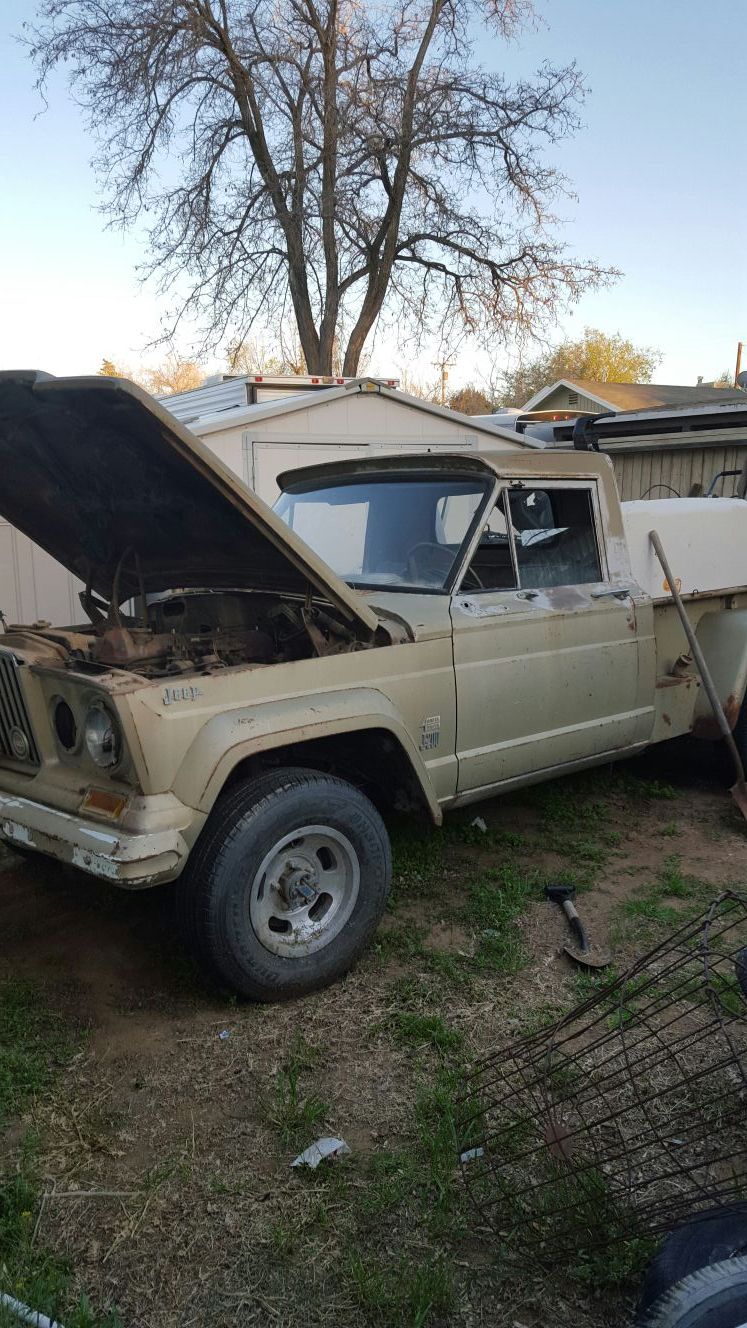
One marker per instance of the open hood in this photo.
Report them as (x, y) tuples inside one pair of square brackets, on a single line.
[(93, 467)]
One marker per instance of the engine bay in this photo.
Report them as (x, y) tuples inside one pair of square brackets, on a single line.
[(200, 631)]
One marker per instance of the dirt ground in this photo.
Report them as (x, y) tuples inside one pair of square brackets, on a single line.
[(165, 1143)]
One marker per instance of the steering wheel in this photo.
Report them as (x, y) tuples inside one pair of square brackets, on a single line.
[(429, 562)]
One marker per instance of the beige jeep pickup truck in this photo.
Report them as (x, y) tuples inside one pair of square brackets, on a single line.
[(250, 688)]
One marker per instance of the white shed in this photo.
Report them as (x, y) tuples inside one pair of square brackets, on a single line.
[(258, 442), (361, 417)]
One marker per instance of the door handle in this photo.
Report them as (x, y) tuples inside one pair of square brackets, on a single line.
[(615, 592), (527, 594)]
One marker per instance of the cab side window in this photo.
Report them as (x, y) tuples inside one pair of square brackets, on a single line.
[(554, 537), (537, 538)]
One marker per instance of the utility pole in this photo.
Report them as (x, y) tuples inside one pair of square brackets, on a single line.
[(738, 369), (444, 366)]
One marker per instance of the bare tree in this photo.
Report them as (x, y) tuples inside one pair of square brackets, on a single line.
[(351, 160), (415, 386), (254, 357)]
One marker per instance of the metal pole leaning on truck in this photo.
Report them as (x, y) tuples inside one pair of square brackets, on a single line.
[(739, 788)]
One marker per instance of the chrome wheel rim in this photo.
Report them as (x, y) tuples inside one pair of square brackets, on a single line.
[(304, 891)]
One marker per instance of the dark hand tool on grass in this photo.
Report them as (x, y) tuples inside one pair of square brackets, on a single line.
[(578, 949)]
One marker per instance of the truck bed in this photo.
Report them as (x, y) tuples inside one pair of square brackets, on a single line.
[(705, 541)]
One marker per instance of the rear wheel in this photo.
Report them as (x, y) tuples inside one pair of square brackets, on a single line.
[(287, 883), (709, 1237), (714, 1297)]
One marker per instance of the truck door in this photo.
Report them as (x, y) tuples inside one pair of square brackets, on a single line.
[(554, 655)]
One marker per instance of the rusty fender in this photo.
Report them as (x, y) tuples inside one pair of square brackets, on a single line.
[(231, 737), (723, 640)]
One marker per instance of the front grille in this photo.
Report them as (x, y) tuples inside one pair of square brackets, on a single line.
[(17, 743)]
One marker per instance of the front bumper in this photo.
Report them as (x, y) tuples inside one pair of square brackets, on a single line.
[(130, 859)]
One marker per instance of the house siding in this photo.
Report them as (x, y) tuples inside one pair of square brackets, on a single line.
[(560, 400), (656, 471)]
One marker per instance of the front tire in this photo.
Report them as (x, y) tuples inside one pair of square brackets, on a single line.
[(287, 883)]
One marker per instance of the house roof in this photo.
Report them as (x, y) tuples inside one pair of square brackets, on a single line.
[(637, 396), (233, 414)]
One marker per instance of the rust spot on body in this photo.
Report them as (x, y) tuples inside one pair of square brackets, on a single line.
[(667, 720), (706, 726)]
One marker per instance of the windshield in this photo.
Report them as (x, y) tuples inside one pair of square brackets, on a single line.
[(401, 532)]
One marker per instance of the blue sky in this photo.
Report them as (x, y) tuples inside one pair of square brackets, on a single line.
[(658, 169)]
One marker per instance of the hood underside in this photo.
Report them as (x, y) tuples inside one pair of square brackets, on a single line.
[(92, 469)]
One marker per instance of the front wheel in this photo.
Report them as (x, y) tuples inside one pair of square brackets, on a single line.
[(287, 883)]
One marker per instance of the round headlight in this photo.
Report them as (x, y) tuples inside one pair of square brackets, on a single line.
[(101, 735), (65, 726)]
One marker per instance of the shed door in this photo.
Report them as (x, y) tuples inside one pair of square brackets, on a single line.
[(264, 461)]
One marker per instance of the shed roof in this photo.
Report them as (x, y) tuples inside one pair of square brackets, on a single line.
[(233, 414), (637, 396)]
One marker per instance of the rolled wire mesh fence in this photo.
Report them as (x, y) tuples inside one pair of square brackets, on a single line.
[(628, 1114)]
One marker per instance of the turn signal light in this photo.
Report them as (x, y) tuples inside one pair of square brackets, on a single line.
[(102, 803)]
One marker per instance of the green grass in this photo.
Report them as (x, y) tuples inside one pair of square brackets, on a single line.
[(32, 1274), (655, 789), (651, 790), (493, 902), (422, 1171), (652, 910), (402, 941), (496, 901), (590, 851), (420, 1178), (671, 882), (606, 1257), (35, 1041), (547, 1204), (490, 907), (392, 1179), (294, 1109), (586, 983), (461, 830), (728, 992), (423, 1030), (417, 1184), (437, 1148), (418, 856), (404, 1294)]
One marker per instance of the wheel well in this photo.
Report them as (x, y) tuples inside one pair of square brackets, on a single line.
[(372, 759)]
